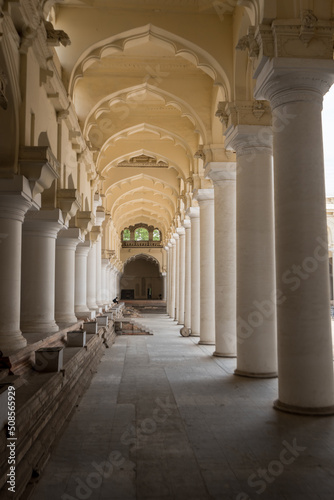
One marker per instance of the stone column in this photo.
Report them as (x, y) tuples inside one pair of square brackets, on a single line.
[(177, 274), (182, 255), (169, 278), (91, 278), (66, 244), (40, 231), (80, 301), (164, 287), (205, 198), (187, 278), (104, 290), (15, 200), (194, 215), (256, 307), (108, 282), (173, 275), (223, 176), (295, 89), (99, 300)]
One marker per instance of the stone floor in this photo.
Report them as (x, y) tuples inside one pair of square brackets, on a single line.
[(163, 419)]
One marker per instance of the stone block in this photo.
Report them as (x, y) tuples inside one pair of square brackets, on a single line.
[(102, 320), (49, 359), (76, 338), (90, 326)]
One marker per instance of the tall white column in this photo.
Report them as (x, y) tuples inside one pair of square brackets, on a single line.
[(108, 282), (39, 235), (66, 244), (205, 198), (223, 176), (173, 276), (187, 278), (177, 275), (14, 203), (256, 303), (80, 303), (91, 278), (104, 291), (169, 277), (99, 300), (295, 89), (182, 255), (164, 287), (194, 215)]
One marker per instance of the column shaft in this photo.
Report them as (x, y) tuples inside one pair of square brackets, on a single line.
[(91, 279), (223, 176), (40, 231), (67, 242), (12, 211), (205, 198), (295, 90), (81, 256), (187, 290), (194, 215), (182, 235)]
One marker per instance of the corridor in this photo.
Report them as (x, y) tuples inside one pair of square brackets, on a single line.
[(163, 419)]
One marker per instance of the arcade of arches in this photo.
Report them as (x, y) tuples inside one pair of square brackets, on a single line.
[(198, 121)]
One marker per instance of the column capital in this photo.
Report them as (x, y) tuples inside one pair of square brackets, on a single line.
[(15, 198), (83, 247), (186, 224), (176, 236), (284, 80), (172, 242), (193, 212), (180, 231), (202, 195), (221, 171), (250, 139), (47, 222), (69, 237)]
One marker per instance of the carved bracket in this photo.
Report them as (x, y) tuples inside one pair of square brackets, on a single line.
[(68, 200), (249, 42), (39, 166), (56, 37)]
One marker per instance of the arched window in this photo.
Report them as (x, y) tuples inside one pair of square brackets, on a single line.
[(141, 234), (156, 235), (126, 235)]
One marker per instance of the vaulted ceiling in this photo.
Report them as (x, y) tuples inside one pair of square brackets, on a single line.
[(145, 97)]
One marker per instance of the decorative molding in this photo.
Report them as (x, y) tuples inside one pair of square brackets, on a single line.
[(200, 154), (222, 114), (249, 42), (308, 27), (56, 37), (143, 161)]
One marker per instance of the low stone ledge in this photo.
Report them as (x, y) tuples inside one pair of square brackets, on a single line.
[(44, 402)]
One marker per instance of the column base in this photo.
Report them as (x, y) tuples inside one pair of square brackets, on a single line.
[(12, 342), (31, 327), (68, 318), (256, 375), (223, 355), (298, 410), (194, 334), (206, 342)]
